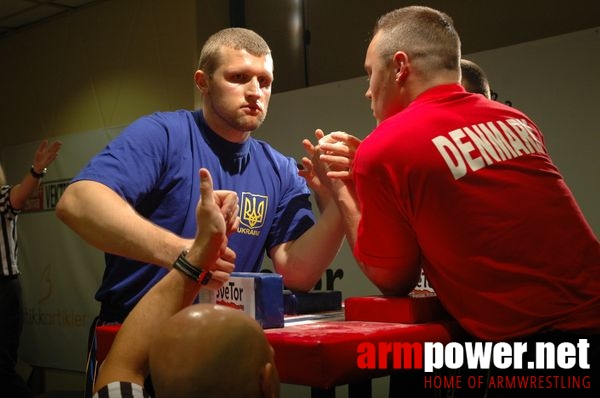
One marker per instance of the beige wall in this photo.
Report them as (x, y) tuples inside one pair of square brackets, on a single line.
[(99, 67)]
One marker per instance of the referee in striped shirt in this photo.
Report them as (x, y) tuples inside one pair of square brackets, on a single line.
[(12, 200)]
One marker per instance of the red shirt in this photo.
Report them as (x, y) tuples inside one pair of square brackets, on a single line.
[(464, 187)]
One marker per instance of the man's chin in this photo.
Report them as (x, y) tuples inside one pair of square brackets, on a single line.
[(250, 123)]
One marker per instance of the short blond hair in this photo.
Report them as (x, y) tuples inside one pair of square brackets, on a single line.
[(236, 38)]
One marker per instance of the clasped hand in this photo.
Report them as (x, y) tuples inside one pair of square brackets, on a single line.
[(331, 158)]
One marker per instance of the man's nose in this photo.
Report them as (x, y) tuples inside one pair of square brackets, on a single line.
[(253, 86)]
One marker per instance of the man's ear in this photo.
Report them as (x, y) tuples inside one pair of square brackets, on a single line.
[(400, 61), (201, 79), (269, 381)]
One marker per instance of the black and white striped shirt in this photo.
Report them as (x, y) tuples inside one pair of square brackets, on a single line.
[(8, 234), (121, 389)]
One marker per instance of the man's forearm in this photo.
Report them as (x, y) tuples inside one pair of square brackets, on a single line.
[(107, 222), (303, 261), (22, 191), (348, 206)]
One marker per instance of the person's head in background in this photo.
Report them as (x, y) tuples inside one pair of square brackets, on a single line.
[(213, 351), (474, 79), (413, 49)]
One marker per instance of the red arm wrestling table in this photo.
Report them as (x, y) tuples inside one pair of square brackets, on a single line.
[(323, 354)]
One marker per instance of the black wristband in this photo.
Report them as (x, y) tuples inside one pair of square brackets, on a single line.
[(197, 274), (35, 174)]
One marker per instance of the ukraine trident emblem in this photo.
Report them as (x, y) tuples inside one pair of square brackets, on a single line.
[(253, 209)]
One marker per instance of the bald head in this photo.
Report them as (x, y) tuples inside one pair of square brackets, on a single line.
[(210, 350)]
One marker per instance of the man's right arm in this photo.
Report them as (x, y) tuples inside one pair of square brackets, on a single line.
[(106, 221), (349, 208), (128, 357)]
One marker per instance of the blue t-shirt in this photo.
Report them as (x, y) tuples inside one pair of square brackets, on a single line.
[(153, 164)]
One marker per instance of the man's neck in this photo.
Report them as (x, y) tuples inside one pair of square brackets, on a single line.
[(418, 86), (223, 130)]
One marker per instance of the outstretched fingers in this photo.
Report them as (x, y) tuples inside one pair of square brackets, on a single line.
[(45, 154)]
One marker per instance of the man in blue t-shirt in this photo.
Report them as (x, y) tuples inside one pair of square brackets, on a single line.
[(135, 200)]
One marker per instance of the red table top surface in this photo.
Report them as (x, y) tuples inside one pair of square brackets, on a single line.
[(325, 354)]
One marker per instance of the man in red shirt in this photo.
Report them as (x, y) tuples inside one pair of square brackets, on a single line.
[(463, 187)]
